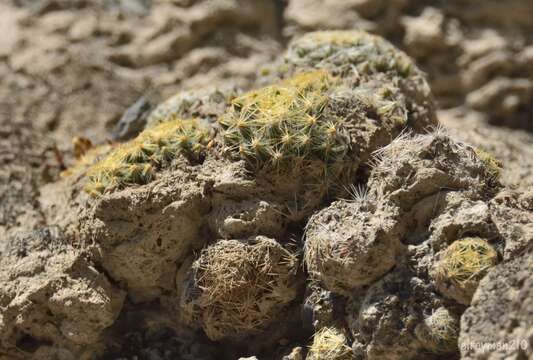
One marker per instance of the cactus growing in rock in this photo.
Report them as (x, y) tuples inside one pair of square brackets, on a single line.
[(330, 344), (358, 57), (136, 161), (461, 266), (285, 125), (439, 331), (237, 287)]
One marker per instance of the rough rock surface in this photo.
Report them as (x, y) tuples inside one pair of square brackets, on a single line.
[(499, 324), (86, 277), (53, 294)]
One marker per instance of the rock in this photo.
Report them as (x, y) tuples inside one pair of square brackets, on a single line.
[(54, 295), (512, 213), (351, 244), (499, 323), (388, 315), (412, 168), (321, 308), (243, 219), (510, 146), (424, 34), (143, 232), (133, 120)]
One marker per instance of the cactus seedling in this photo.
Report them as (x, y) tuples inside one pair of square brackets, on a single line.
[(462, 265), (136, 162)]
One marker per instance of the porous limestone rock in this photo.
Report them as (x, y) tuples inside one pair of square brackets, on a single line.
[(52, 295)]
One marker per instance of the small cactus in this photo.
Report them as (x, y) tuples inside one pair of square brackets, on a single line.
[(439, 332), (136, 162), (369, 53), (494, 165), (330, 344), (462, 265), (358, 57)]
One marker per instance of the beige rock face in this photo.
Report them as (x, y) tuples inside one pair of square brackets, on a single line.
[(142, 236), (52, 294)]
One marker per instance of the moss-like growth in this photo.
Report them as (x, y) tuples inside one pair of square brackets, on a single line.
[(136, 162), (439, 332), (330, 344), (461, 266), (284, 126), (236, 288), (494, 165)]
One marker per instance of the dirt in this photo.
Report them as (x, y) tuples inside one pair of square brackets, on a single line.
[(91, 72)]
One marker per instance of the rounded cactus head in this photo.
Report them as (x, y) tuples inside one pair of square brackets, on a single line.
[(494, 166), (137, 161), (358, 57), (285, 127), (461, 266), (439, 332), (330, 344), (238, 287)]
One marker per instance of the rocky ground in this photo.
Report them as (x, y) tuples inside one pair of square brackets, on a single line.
[(216, 255)]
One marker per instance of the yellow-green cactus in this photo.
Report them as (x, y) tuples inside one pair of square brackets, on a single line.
[(330, 344), (283, 125), (136, 162), (461, 266), (494, 165)]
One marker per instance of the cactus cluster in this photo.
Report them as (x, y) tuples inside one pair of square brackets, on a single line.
[(136, 161), (203, 104), (285, 126), (358, 57), (462, 265)]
